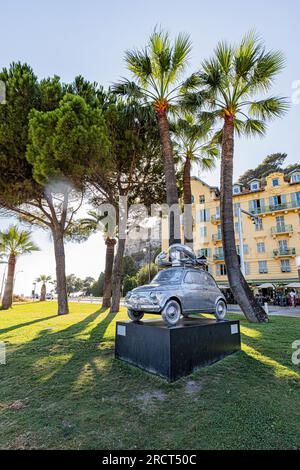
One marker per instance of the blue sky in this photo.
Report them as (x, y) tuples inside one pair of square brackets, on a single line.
[(89, 37)]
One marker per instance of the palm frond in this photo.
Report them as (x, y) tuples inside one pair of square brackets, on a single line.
[(139, 63), (224, 56), (269, 108), (181, 52)]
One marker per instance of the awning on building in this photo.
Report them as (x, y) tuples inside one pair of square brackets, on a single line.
[(294, 285), (267, 285)]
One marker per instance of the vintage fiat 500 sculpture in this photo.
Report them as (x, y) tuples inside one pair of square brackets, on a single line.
[(183, 288)]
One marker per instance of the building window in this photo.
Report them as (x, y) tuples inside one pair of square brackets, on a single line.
[(246, 249), (257, 206), (204, 215), (254, 186), (280, 222), (260, 247), (236, 189), (276, 201), (275, 182), (202, 199), (285, 266), (218, 212), (258, 224), (295, 178), (193, 199), (219, 251), (295, 199), (203, 232), (205, 252), (283, 246), (263, 267), (221, 270), (236, 207), (247, 268)]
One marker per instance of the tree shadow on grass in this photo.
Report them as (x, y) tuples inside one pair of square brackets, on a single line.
[(82, 344), (21, 325)]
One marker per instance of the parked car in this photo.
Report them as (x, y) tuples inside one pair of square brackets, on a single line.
[(49, 297), (177, 291)]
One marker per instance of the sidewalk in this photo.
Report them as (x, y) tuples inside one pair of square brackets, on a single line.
[(273, 310)]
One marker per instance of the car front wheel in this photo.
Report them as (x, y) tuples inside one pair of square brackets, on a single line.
[(171, 313), (134, 315), (221, 310)]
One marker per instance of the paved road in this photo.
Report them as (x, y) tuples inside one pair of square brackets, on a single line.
[(273, 310)]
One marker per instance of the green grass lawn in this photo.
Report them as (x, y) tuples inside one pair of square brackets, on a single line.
[(62, 388)]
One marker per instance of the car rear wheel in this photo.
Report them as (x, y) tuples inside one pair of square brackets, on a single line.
[(221, 310), (134, 315), (171, 313)]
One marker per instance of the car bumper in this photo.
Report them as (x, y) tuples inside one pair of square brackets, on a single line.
[(143, 307)]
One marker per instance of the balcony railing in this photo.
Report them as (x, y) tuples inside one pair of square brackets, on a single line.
[(219, 257), (276, 207), (216, 237), (215, 218), (285, 252), (282, 229)]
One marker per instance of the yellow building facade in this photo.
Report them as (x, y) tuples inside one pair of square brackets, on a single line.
[(271, 245)]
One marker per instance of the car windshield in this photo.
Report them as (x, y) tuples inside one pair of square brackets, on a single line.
[(169, 275)]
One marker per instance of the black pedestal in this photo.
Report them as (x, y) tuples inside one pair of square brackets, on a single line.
[(175, 352)]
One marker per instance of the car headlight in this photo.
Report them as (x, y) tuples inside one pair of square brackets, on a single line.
[(128, 295), (155, 297)]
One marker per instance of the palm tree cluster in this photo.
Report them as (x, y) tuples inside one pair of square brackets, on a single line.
[(159, 123), (13, 244)]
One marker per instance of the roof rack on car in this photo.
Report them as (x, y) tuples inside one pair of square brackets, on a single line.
[(180, 255)]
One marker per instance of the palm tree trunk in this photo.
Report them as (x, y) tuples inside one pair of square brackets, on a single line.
[(187, 198), (109, 262), (169, 169), (43, 293), (240, 288), (61, 283), (117, 274), (9, 285)]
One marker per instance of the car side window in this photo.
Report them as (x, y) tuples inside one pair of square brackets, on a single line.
[(197, 278), (207, 280), (188, 278), (210, 281)]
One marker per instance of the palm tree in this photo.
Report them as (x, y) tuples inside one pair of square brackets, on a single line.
[(193, 143), (13, 243), (158, 70), (92, 223), (43, 278), (233, 84)]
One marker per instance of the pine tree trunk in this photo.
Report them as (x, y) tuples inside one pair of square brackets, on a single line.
[(169, 169), (116, 278), (43, 293), (240, 288), (109, 262), (187, 198), (61, 283), (9, 285)]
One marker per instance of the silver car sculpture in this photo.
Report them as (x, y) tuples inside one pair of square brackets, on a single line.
[(184, 288)]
